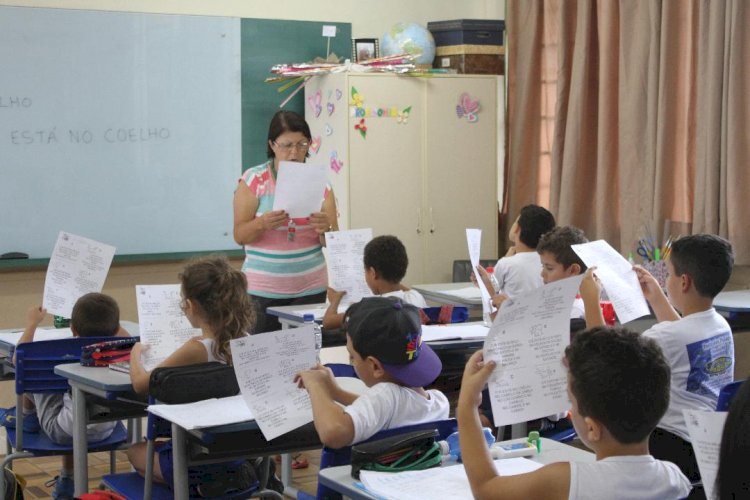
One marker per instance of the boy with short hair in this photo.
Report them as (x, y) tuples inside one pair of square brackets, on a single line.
[(384, 340), (93, 315), (385, 263), (698, 345), (518, 271), (618, 383)]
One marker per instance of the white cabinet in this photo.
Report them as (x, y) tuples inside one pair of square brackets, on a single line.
[(415, 157)]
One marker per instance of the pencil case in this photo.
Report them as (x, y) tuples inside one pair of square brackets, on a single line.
[(106, 353), (444, 315), (190, 383), (414, 450)]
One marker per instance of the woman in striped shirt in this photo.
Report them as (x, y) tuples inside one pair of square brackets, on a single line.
[(284, 262)]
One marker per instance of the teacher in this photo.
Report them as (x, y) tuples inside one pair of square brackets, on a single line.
[(284, 262)]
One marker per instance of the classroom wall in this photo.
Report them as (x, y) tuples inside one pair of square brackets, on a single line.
[(370, 19)]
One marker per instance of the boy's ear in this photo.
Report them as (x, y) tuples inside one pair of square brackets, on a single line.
[(686, 283), (574, 269), (376, 367), (594, 429)]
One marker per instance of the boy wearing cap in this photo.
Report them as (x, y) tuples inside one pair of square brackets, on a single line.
[(384, 340)]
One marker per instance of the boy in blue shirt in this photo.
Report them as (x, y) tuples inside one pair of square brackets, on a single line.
[(618, 384)]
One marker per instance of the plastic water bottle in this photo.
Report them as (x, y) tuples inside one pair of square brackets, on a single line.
[(309, 319), (451, 450)]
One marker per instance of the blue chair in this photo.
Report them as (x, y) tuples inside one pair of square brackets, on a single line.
[(726, 395), (35, 365)]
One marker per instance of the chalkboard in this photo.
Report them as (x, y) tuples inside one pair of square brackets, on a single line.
[(267, 42), (132, 129)]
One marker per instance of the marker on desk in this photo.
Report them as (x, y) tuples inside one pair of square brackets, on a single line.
[(534, 438)]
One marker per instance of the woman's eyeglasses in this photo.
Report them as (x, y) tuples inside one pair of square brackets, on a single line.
[(286, 147)]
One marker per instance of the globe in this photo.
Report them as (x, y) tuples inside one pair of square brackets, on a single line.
[(409, 38)]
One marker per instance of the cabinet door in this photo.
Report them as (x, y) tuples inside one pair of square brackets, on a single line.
[(461, 170), (385, 186)]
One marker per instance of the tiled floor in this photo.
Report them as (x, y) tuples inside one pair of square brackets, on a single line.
[(38, 471)]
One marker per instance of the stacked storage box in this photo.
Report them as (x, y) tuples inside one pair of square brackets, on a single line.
[(469, 45)]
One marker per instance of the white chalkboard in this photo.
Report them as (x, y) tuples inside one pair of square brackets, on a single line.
[(123, 128)]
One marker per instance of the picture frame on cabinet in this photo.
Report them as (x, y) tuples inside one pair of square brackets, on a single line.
[(364, 49)]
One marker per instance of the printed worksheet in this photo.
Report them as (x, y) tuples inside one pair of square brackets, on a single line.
[(299, 188), (705, 429), (527, 340), (474, 241), (163, 325), (265, 366), (617, 277), (77, 266), (346, 271)]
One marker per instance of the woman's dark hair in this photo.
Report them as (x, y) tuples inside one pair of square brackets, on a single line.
[(286, 121), (732, 479)]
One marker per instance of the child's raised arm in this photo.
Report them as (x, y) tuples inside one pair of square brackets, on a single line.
[(332, 318), (655, 296), (34, 316)]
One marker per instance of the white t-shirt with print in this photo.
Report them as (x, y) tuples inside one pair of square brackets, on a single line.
[(411, 296), (519, 273)]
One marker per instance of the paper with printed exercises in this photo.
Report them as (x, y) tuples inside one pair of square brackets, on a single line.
[(39, 334), (299, 188), (77, 266), (206, 413), (265, 366), (705, 429), (617, 277), (163, 326), (474, 240), (527, 340), (437, 482), (346, 270)]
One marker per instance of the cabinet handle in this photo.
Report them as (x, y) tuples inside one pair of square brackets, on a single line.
[(432, 222), (419, 221)]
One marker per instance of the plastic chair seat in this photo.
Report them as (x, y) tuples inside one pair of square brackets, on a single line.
[(40, 444), (131, 485)]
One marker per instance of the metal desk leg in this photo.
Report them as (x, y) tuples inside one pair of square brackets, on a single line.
[(286, 475), (179, 462), (80, 443)]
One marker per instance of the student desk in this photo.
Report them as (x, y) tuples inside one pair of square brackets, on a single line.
[(340, 479), (107, 384), (441, 293), (291, 316), (735, 307)]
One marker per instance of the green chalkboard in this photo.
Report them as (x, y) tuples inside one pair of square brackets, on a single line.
[(268, 42)]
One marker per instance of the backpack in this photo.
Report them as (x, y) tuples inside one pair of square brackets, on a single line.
[(14, 485)]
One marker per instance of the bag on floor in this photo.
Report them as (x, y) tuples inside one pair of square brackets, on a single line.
[(14, 485)]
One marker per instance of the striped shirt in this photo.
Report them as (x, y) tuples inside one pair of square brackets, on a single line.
[(274, 266)]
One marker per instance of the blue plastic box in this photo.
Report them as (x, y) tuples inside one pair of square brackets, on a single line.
[(467, 32)]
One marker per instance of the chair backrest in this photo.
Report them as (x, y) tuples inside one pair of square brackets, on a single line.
[(342, 370), (726, 395), (36, 361), (462, 268)]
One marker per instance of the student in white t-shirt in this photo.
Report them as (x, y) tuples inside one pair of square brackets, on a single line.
[(385, 263), (697, 341), (384, 340), (618, 385)]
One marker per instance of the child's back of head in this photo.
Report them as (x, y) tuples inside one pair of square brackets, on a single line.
[(708, 260), (620, 379), (557, 243), (95, 315), (221, 293), (387, 256), (534, 221)]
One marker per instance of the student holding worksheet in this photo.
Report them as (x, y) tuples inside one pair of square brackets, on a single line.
[(284, 262)]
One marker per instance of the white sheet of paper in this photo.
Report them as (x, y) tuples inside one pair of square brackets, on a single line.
[(474, 241), (40, 334), (77, 266), (456, 331), (705, 429), (265, 366), (300, 188), (346, 271), (206, 413), (617, 277), (527, 341), (469, 292), (163, 325), (438, 482)]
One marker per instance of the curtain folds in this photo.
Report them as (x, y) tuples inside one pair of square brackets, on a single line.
[(646, 105)]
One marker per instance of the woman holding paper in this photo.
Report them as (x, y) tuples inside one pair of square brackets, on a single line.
[(284, 262)]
